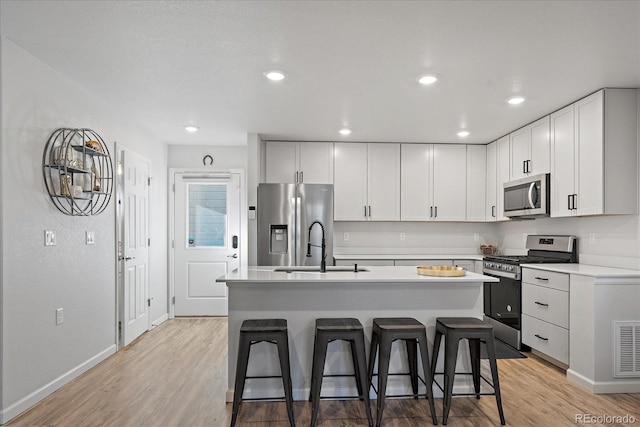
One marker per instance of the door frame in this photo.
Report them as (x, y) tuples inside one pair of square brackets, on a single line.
[(119, 240), (243, 238)]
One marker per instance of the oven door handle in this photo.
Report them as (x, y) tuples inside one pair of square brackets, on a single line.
[(498, 274)]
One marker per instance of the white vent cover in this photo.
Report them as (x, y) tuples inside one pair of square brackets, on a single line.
[(627, 349)]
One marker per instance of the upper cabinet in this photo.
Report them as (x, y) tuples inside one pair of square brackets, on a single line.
[(491, 200), (476, 182), (434, 180), (498, 166), (594, 161), (299, 162), (366, 182), (530, 149)]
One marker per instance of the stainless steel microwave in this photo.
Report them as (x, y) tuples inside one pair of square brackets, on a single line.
[(528, 197)]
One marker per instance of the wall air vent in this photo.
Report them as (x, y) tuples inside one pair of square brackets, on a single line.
[(627, 348)]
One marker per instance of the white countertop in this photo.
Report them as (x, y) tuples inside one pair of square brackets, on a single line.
[(476, 257), (586, 270), (378, 274)]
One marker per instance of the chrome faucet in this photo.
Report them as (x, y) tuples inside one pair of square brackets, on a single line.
[(323, 261)]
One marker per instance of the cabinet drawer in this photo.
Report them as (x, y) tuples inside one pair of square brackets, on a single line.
[(550, 305), (364, 262), (425, 262), (550, 279), (547, 338)]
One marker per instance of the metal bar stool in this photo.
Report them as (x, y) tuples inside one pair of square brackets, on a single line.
[(474, 330), (345, 329), (255, 331), (414, 334)]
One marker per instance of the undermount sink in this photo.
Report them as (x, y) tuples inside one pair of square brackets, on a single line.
[(316, 269)]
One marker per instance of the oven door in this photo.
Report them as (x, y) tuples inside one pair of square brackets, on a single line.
[(502, 300)]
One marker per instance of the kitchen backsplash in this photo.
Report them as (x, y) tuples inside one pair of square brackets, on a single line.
[(381, 238), (612, 241)]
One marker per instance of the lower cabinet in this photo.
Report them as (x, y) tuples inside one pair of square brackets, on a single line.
[(545, 313), (364, 262)]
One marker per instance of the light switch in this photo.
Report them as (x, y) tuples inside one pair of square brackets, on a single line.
[(90, 237), (49, 238)]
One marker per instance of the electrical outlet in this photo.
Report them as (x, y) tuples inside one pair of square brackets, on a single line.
[(345, 236), (592, 238), (403, 236), (49, 238), (476, 237), (89, 237), (59, 316)]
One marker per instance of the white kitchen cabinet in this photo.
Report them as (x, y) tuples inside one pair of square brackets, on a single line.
[(545, 312), (502, 175), (476, 182), (299, 162), (594, 160), (491, 204), (366, 182), (364, 262), (424, 262), (433, 182), (530, 150)]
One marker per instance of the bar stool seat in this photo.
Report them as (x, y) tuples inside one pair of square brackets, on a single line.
[(474, 330), (252, 332), (413, 333), (332, 329)]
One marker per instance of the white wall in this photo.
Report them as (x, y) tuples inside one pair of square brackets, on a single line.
[(38, 356), (224, 157)]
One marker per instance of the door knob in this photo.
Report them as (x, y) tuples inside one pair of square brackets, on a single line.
[(232, 256)]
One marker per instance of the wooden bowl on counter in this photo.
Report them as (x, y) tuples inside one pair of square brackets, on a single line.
[(441, 271)]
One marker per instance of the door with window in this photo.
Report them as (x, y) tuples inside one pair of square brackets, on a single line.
[(206, 243)]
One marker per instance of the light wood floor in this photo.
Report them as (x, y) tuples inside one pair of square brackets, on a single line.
[(176, 375)]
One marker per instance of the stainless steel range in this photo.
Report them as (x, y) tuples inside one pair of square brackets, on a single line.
[(503, 300)]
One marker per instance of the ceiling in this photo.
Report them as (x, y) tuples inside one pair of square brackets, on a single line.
[(166, 64)]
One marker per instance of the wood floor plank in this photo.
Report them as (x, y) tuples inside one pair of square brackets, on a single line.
[(176, 375)]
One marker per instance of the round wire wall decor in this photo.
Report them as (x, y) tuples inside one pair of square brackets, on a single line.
[(78, 171)]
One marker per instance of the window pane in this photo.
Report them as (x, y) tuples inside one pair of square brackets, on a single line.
[(207, 215)]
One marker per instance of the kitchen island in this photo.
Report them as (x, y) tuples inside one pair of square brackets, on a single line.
[(300, 297)]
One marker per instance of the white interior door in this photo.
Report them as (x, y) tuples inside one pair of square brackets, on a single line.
[(135, 251), (207, 239)]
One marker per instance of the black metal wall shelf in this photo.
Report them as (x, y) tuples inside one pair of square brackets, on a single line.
[(78, 171)]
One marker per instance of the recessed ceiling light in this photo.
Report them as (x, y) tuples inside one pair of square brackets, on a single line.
[(191, 128), (275, 75), (345, 132), (515, 100), (463, 133), (427, 79)]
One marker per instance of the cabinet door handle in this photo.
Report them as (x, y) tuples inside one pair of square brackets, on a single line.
[(296, 177), (365, 211), (369, 211), (575, 197), (541, 278), (569, 202), (431, 214), (436, 212), (301, 176), (542, 304), (542, 338), (524, 166), (493, 211)]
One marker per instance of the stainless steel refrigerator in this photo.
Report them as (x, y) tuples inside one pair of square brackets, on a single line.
[(285, 213)]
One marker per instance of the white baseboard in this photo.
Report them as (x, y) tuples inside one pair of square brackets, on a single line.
[(604, 387), (160, 320), (28, 401)]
